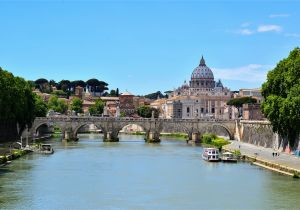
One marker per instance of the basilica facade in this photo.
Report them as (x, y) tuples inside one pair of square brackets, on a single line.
[(202, 97)]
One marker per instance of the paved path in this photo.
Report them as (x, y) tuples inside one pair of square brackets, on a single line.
[(266, 154)]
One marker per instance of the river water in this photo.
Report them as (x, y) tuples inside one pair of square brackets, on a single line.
[(131, 174)]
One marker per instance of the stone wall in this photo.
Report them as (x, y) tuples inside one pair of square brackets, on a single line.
[(260, 133)]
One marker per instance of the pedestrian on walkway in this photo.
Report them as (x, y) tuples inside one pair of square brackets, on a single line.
[(273, 154)]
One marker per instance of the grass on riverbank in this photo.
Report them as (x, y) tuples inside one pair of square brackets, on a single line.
[(174, 135), (211, 139), (16, 153)]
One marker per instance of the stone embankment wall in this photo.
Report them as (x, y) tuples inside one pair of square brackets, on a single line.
[(260, 133)]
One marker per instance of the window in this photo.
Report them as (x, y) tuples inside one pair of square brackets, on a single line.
[(202, 110), (212, 110), (188, 109)]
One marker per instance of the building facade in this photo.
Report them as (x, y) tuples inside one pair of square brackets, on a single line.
[(202, 97)]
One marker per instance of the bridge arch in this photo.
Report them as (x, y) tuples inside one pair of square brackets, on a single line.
[(224, 128), (38, 126), (81, 125)]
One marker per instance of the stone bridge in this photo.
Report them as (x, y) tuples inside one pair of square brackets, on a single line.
[(110, 127)]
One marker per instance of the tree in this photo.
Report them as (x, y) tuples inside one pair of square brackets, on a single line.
[(76, 83), (281, 94), (42, 84), (52, 83), (146, 111), (155, 95), (112, 93), (41, 108), (57, 104), (17, 104), (238, 102), (60, 93), (76, 105), (97, 108), (96, 86), (117, 92), (64, 85)]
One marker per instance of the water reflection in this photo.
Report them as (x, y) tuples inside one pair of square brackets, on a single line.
[(130, 174)]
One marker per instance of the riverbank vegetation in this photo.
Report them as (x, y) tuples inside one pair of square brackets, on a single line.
[(281, 94), (15, 154), (211, 139), (173, 135), (18, 105)]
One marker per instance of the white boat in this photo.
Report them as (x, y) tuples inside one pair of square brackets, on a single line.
[(228, 157), (211, 154), (45, 149)]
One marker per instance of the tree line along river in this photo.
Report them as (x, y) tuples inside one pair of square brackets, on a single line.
[(131, 174)]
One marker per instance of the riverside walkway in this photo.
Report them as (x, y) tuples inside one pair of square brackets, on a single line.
[(264, 155)]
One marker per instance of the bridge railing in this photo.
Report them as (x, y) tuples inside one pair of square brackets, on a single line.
[(93, 118)]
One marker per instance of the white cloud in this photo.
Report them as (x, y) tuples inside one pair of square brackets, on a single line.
[(279, 15), (293, 35), (269, 28), (246, 31), (250, 73)]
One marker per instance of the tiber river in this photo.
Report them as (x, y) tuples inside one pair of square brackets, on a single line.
[(131, 174)]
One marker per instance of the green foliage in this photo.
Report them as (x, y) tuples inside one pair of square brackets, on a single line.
[(238, 102), (208, 137), (41, 107), (237, 152), (212, 139), (114, 93), (97, 108), (122, 114), (96, 85), (155, 95), (76, 105), (3, 159), (296, 175), (219, 142), (281, 92), (146, 111), (64, 85), (60, 93), (42, 84), (175, 135), (17, 102), (57, 105)]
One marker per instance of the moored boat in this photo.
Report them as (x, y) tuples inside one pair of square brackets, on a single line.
[(228, 157), (211, 154), (45, 149)]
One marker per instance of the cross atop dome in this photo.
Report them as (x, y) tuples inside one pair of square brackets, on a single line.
[(202, 62)]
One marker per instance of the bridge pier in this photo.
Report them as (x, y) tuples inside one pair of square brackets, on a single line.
[(152, 137), (70, 136), (110, 137), (196, 137)]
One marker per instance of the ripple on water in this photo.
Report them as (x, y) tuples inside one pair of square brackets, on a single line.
[(130, 174)]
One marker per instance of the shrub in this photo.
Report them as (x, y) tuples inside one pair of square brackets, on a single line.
[(3, 159), (237, 152), (208, 137), (212, 139), (296, 175)]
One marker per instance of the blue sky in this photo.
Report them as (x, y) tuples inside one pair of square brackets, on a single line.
[(145, 46)]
